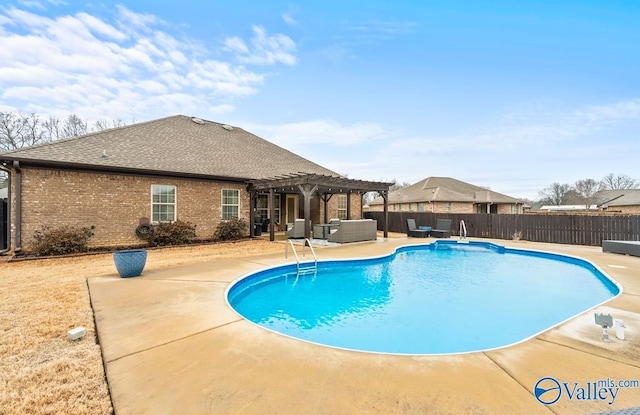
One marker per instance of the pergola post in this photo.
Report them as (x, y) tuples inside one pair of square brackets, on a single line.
[(253, 197), (325, 198), (384, 195), (307, 191), (348, 205), (272, 213)]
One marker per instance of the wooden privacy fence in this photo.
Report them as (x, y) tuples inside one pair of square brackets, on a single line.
[(563, 229)]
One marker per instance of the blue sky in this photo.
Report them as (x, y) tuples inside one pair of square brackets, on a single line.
[(510, 95)]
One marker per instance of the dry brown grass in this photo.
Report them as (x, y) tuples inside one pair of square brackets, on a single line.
[(41, 371)]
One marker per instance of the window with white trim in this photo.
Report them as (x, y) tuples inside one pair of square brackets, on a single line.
[(230, 204), (342, 207), (163, 203)]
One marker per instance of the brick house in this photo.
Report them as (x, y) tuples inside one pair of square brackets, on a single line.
[(174, 168), (625, 201), (447, 195)]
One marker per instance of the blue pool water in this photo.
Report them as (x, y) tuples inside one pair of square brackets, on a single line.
[(440, 298)]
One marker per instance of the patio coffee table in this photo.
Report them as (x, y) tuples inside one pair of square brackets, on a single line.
[(326, 229)]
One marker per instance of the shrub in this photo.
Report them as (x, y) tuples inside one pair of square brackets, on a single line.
[(231, 229), (62, 240), (171, 233)]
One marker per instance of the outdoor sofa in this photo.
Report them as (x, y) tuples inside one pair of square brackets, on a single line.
[(621, 247), (442, 229), (354, 231), (414, 231), (296, 231)]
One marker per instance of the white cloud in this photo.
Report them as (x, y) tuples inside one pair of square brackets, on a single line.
[(384, 27), (602, 116), (326, 132), (288, 19), (264, 49), (100, 67), (518, 154)]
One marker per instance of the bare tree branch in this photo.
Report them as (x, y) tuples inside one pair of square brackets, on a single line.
[(587, 190), (621, 181), (556, 194)]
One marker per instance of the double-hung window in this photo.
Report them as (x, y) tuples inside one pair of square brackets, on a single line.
[(263, 207), (230, 204), (342, 207), (163, 203)]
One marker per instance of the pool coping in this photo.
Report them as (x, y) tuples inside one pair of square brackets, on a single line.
[(171, 344)]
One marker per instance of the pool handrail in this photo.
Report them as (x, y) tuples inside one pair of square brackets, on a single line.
[(306, 242)]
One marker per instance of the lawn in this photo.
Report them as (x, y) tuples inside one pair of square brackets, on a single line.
[(41, 370)]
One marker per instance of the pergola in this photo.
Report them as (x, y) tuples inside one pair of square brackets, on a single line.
[(308, 184)]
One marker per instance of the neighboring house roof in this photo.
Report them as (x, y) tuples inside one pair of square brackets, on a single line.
[(564, 208), (622, 197), (177, 145), (445, 189)]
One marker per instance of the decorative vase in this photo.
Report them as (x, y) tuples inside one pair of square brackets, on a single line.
[(130, 263)]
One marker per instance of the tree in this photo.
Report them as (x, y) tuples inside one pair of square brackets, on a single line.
[(621, 181), (556, 194), (74, 126), (18, 130), (103, 124), (587, 190), (370, 196)]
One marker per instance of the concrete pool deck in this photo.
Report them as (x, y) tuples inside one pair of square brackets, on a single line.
[(172, 345)]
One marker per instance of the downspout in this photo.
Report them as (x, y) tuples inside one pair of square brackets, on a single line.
[(18, 179), (8, 230)]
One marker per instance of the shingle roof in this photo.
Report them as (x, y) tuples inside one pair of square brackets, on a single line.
[(622, 197), (178, 145), (445, 189)]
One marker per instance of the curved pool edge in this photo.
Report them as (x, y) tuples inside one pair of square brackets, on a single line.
[(432, 245)]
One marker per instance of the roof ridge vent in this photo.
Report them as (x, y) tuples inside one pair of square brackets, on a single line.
[(227, 127), (197, 120)]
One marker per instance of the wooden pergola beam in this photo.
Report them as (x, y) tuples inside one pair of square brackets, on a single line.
[(308, 184)]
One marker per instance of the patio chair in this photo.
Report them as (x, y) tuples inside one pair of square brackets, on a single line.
[(414, 231), (442, 229), (297, 230)]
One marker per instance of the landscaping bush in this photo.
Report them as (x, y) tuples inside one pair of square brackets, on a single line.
[(171, 233), (231, 229), (62, 240)]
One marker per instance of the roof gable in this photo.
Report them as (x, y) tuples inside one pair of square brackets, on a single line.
[(445, 189), (621, 197), (177, 145)]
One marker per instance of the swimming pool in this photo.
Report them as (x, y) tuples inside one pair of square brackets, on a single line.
[(440, 298)]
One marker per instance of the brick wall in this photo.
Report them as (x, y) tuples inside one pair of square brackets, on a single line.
[(506, 209), (332, 207), (114, 203), (626, 210)]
